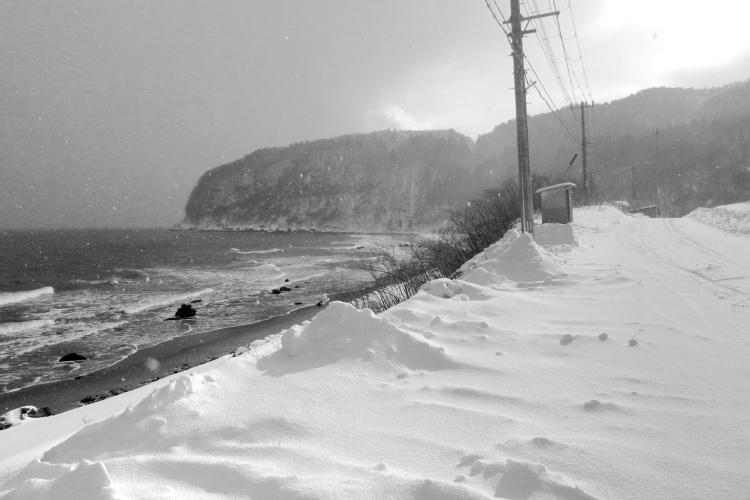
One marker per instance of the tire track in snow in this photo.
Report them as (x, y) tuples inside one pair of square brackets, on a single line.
[(653, 238)]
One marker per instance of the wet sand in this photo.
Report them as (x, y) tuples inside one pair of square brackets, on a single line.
[(173, 355)]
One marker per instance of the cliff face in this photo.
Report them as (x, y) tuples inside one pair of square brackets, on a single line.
[(378, 182)]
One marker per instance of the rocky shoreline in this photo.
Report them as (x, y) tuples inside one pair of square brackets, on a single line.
[(149, 364)]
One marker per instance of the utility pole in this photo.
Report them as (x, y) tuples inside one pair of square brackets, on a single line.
[(522, 130), (584, 151)]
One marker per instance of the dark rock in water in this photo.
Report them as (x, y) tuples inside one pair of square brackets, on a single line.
[(196, 301), (298, 303), (296, 286), (185, 311), (632, 342), (72, 356), (286, 280), (603, 337), (275, 291), (285, 289)]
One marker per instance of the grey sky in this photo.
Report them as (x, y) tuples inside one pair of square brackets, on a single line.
[(111, 110)]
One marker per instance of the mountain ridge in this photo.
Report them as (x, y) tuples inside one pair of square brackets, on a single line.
[(393, 181)]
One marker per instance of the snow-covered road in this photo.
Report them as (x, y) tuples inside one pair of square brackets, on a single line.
[(610, 362)]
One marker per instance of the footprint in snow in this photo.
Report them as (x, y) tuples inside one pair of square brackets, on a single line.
[(566, 339), (596, 405)]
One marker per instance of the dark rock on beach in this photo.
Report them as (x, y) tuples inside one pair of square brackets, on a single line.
[(22, 413), (285, 289), (72, 356), (44, 411), (93, 398)]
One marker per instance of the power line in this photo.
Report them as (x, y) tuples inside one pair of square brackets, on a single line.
[(548, 100), (565, 52), (549, 54), (580, 54), (494, 16)]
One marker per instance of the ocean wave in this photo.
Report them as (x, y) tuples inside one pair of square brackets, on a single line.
[(130, 274), (14, 297), (271, 268), (248, 252), (163, 300), (31, 342), (112, 281), (22, 326), (308, 277)]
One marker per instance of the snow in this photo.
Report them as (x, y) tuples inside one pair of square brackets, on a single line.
[(733, 218), (496, 384)]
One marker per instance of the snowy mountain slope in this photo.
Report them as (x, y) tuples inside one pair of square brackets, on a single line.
[(498, 384)]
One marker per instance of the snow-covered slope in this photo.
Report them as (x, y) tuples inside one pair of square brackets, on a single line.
[(609, 363), (733, 218)]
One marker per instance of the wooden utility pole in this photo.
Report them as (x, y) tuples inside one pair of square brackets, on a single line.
[(522, 130), (584, 152)]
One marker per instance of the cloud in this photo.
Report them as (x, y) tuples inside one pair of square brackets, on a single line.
[(397, 117)]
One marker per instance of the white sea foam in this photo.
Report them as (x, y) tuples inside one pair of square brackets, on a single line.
[(163, 300), (23, 326), (14, 297), (249, 252), (308, 277)]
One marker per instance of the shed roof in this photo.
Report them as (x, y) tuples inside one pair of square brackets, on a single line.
[(556, 186)]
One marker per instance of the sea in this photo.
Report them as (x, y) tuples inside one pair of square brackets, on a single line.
[(106, 293)]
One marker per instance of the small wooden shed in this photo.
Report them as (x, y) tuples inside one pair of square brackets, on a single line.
[(557, 203)]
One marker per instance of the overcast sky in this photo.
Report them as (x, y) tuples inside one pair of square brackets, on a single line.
[(111, 110)]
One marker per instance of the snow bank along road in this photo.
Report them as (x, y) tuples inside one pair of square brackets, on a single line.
[(608, 360)]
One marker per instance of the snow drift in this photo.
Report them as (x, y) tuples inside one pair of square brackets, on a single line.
[(733, 218), (517, 258), (341, 331)]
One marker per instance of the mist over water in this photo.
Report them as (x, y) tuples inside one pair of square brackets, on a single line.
[(105, 293)]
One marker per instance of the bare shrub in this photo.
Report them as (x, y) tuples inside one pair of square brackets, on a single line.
[(483, 221)]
